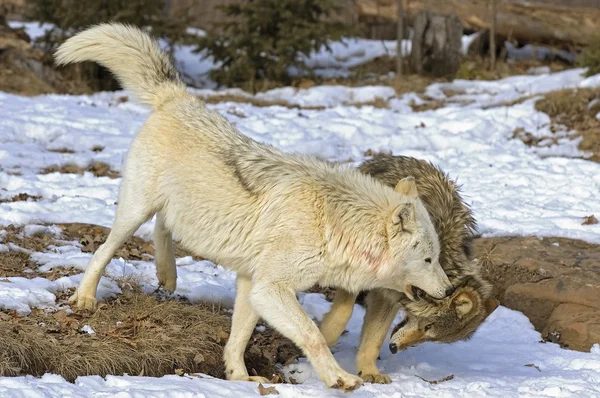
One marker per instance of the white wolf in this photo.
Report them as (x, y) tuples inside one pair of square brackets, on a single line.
[(283, 222)]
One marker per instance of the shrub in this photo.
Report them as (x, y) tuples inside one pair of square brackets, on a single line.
[(261, 40), (71, 16), (590, 57)]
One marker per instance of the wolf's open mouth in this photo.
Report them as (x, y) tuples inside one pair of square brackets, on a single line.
[(417, 292)]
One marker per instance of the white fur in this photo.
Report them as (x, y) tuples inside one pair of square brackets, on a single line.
[(284, 222)]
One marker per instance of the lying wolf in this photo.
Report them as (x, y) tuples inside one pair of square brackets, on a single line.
[(284, 222), (453, 318)]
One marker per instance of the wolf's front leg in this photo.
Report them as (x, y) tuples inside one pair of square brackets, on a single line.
[(379, 315), (242, 325), (276, 302), (337, 318)]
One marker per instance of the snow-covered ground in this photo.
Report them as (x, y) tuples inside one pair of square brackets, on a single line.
[(513, 189)]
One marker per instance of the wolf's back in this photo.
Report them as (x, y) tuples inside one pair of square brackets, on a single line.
[(136, 60)]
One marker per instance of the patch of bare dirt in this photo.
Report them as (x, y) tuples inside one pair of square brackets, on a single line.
[(98, 169), (134, 334)]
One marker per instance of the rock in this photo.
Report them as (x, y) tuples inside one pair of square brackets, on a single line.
[(576, 326), (436, 44), (553, 281)]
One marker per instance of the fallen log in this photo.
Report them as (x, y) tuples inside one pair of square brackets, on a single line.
[(557, 23)]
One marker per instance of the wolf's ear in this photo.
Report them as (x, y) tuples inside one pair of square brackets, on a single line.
[(404, 215), (407, 186), (490, 305), (463, 304)]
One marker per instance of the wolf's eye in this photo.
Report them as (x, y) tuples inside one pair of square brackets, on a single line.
[(428, 260), (427, 327)]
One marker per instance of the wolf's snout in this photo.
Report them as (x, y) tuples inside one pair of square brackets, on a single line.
[(393, 348), (450, 291)]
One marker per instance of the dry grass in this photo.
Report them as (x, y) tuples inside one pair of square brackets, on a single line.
[(216, 99), (98, 169), (134, 334), (576, 109), (590, 220)]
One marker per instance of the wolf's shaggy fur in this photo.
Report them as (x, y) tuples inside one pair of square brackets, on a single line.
[(284, 222), (447, 320)]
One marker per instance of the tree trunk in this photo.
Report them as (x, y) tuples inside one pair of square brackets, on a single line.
[(436, 44), (493, 35), (399, 38)]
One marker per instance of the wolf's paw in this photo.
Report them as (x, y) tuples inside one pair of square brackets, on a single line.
[(168, 283), (83, 301), (346, 382), (375, 378)]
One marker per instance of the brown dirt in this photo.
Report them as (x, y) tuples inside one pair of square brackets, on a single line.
[(576, 109), (98, 169), (135, 334)]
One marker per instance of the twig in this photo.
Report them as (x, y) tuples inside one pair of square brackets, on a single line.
[(447, 378)]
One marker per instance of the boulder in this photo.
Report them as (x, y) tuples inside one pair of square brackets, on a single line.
[(553, 281)]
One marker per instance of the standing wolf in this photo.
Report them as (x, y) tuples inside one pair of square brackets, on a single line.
[(450, 319), (284, 222)]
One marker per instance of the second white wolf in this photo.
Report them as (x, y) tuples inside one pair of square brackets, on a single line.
[(284, 222)]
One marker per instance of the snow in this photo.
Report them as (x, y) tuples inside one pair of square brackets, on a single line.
[(513, 189)]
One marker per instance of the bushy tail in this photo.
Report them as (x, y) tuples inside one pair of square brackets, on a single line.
[(136, 60)]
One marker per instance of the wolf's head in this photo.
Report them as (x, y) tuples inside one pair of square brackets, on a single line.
[(444, 321), (415, 248)]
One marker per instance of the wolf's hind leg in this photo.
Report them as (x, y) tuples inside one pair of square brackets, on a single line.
[(337, 318), (166, 270)]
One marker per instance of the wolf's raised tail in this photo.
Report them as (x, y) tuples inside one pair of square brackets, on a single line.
[(136, 60)]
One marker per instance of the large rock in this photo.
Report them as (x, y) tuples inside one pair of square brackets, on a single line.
[(554, 281)]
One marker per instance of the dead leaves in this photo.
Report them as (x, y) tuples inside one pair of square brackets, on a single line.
[(262, 390), (22, 197)]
